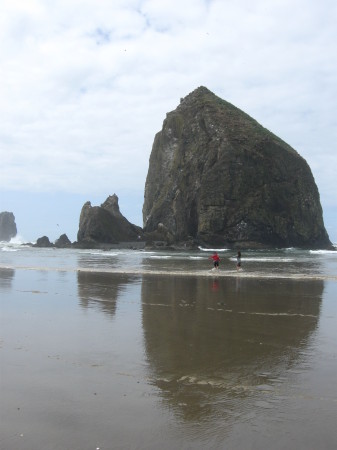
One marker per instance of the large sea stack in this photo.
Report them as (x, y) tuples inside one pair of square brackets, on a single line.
[(8, 228), (217, 177), (105, 224)]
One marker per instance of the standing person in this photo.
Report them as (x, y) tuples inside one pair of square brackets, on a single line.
[(238, 261), (216, 260)]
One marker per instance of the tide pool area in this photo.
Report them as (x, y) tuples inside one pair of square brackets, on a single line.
[(96, 359)]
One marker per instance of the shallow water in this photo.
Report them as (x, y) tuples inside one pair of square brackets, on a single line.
[(276, 263), (118, 361)]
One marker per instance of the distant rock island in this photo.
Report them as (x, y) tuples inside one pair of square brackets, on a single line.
[(101, 227), (105, 224), (217, 177), (8, 228)]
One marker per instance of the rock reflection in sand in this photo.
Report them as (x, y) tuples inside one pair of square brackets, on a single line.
[(101, 290), (146, 361), (6, 277), (219, 341)]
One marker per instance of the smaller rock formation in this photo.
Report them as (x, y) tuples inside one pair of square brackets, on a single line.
[(7, 226), (105, 224), (43, 242), (63, 242)]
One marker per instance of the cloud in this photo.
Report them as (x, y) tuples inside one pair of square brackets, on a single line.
[(85, 85)]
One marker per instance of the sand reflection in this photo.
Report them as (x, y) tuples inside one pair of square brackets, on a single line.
[(214, 343), (6, 278), (101, 290)]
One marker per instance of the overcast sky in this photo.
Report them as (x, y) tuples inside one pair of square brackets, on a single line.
[(86, 84)]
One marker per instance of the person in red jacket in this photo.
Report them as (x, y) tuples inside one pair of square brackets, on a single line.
[(216, 260)]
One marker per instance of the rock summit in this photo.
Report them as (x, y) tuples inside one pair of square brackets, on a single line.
[(105, 224), (216, 176)]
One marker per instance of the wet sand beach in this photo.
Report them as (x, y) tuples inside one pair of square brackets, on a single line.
[(134, 361)]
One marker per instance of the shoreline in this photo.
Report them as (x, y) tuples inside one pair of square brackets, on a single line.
[(180, 273)]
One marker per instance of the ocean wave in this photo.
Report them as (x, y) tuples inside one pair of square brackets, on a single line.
[(17, 240), (102, 253), (177, 257), (13, 245), (323, 252), (265, 259), (6, 248), (213, 249)]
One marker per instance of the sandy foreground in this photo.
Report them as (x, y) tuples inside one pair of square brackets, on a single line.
[(94, 359)]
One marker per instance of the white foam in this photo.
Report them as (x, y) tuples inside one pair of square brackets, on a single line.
[(17, 240), (108, 253), (177, 257), (179, 273), (101, 253), (265, 259), (13, 245), (213, 249), (323, 252), (9, 249)]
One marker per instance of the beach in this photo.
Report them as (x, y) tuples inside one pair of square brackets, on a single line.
[(101, 351)]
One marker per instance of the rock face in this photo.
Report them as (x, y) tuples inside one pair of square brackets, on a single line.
[(218, 177), (43, 242), (63, 242), (105, 224), (7, 226)]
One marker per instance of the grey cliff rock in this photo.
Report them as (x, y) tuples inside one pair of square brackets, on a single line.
[(216, 176), (43, 242), (105, 224), (63, 242), (7, 226)]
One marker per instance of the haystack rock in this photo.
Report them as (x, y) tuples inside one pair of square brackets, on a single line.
[(7, 226), (106, 224), (217, 177)]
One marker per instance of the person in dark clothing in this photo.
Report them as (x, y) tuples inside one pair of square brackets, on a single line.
[(238, 261)]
